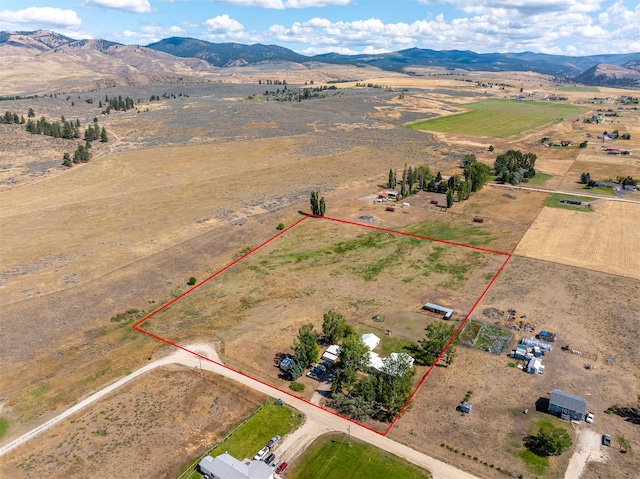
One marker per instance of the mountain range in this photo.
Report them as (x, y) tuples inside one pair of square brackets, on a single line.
[(183, 56)]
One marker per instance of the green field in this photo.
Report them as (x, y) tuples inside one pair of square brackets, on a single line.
[(554, 202), (254, 434), (331, 457), (579, 88), (539, 179), (499, 118)]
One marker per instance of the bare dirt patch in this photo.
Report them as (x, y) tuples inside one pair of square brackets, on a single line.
[(170, 413), (606, 239)]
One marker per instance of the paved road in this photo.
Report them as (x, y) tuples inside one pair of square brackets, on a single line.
[(318, 420)]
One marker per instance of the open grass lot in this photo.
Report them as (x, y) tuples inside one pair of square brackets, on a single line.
[(607, 239), (253, 435), (500, 118), (169, 413), (554, 201), (592, 311), (321, 265), (332, 457)]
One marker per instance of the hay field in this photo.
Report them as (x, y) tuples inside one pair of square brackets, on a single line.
[(607, 239), (499, 118)]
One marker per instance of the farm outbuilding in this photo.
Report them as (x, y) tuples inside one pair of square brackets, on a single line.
[(371, 340), (566, 405), (437, 309), (331, 354), (226, 466)]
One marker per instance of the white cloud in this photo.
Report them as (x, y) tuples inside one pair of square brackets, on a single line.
[(132, 6), (152, 33), (222, 25), (42, 16), (282, 4)]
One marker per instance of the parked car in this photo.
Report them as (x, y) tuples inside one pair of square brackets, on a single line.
[(275, 464), (261, 453), (589, 418), (270, 459), (606, 440), (274, 440), (281, 468)]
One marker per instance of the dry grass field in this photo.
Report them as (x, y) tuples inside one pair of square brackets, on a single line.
[(321, 265), (606, 239), (151, 427), (186, 184), (593, 312)]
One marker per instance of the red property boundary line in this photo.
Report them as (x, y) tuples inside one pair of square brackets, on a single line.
[(137, 327)]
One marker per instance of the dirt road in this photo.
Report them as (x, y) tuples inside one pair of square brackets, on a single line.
[(318, 421), (587, 450)]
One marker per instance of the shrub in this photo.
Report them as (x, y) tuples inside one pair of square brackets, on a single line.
[(191, 281), (296, 386), (280, 226)]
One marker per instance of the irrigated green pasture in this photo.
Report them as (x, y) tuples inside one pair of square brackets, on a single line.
[(498, 118), (579, 88), (331, 457)]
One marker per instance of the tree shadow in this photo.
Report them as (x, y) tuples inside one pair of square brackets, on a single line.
[(629, 414)]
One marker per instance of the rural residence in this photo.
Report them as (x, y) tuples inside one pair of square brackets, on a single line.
[(566, 405), (226, 466)]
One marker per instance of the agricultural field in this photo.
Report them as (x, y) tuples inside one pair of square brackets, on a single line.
[(569, 301), (169, 413), (335, 456), (320, 265), (189, 184), (605, 239), (499, 118)]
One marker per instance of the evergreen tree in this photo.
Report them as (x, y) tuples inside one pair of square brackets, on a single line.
[(391, 183), (306, 345), (66, 160), (322, 207), (449, 197), (314, 203), (103, 135)]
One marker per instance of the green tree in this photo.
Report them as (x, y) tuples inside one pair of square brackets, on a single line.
[(306, 345), (515, 167), (585, 178), (477, 174), (322, 207), (549, 441), (449, 197), (334, 327), (31, 113), (353, 357), (103, 135), (438, 177), (438, 335), (295, 370), (395, 382), (66, 160), (314, 203), (391, 182)]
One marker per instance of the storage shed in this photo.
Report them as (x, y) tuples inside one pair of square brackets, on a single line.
[(437, 309), (566, 405)]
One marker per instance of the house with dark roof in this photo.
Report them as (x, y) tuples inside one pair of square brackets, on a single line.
[(566, 405), (225, 466)]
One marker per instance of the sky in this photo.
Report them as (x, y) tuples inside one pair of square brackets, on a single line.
[(567, 27)]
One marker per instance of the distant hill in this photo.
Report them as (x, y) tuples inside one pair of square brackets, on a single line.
[(49, 60), (602, 74), (226, 54)]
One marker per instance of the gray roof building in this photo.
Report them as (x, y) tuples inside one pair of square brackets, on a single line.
[(226, 466), (565, 404)]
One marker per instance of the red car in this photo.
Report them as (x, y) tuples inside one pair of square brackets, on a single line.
[(281, 468)]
